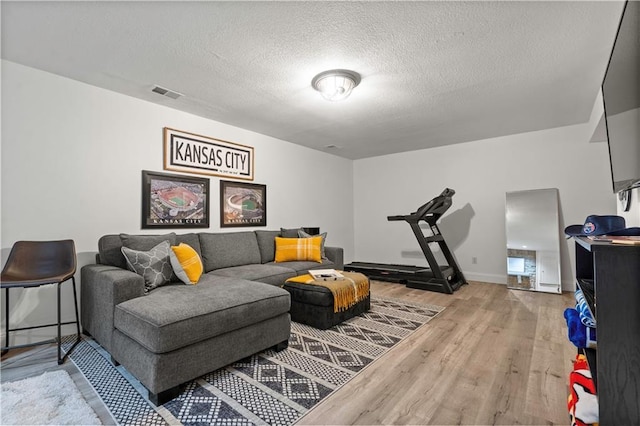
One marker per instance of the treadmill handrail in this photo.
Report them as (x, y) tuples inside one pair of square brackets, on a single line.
[(437, 205)]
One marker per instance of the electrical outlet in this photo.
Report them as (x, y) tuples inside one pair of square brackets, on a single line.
[(474, 260)]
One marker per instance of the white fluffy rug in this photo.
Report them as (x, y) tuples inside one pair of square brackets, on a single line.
[(49, 399)]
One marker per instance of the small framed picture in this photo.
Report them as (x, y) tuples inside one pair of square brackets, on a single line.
[(174, 201), (242, 204)]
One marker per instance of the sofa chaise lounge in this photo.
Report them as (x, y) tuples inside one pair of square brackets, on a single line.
[(176, 332)]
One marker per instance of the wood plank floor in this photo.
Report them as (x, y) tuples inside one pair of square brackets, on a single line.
[(494, 356), (29, 362)]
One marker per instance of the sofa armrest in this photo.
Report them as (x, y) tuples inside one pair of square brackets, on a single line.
[(336, 255), (102, 288)]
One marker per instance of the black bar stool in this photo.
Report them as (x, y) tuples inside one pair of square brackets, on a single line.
[(35, 263)]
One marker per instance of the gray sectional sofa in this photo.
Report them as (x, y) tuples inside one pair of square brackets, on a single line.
[(178, 332)]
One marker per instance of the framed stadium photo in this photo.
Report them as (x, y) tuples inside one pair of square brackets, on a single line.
[(173, 201), (242, 204)]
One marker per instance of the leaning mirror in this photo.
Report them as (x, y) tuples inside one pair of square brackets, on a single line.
[(533, 240)]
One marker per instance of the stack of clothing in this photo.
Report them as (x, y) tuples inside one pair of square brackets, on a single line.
[(581, 324), (582, 401)]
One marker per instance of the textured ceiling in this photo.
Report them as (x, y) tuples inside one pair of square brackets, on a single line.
[(433, 73)]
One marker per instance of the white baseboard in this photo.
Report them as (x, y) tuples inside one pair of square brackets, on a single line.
[(567, 286), (485, 278)]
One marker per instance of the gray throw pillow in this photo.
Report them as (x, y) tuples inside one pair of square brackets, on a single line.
[(302, 234), (153, 265), (290, 233)]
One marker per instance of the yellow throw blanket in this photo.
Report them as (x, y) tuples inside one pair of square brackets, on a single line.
[(348, 291)]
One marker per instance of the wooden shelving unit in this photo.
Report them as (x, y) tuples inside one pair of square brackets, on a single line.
[(609, 275)]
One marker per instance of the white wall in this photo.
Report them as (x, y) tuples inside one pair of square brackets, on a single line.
[(480, 172), (632, 217), (72, 156)]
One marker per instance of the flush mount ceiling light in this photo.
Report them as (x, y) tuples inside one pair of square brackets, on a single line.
[(335, 85)]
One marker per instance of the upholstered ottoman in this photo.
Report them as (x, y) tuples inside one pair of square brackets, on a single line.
[(323, 304)]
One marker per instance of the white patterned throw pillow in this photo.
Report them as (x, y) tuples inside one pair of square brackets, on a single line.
[(153, 265)]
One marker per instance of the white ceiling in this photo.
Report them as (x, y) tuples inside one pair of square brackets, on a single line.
[(433, 73)]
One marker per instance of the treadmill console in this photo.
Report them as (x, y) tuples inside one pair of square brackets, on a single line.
[(432, 209)]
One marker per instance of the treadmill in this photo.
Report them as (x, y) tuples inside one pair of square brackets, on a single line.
[(440, 278)]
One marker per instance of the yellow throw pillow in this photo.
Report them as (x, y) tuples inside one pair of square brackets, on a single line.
[(292, 249), (186, 263)]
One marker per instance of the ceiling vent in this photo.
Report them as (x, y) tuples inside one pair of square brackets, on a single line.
[(166, 92)]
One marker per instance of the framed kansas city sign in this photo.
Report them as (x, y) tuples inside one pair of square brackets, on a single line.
[(172, 201), (191, 153)]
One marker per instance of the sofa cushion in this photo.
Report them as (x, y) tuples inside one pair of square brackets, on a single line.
[(267, 244), (146, 242), (301, 267), (186, 263), (228, 249), (267, 273), (109, 246), (175, 315), (110, 251), (292, 249), (153, 265)]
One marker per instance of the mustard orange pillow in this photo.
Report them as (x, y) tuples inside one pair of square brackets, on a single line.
[(186, 263), (292, 249)]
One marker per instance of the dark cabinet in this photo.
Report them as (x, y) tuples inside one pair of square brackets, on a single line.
[(609, 275)]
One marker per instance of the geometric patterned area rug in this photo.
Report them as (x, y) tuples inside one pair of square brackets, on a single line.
[(269, 388)]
